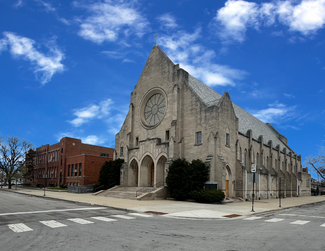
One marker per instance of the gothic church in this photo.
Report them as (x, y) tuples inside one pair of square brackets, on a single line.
[(173, 115)]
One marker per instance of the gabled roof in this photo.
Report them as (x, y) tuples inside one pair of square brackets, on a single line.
[(246, 120)]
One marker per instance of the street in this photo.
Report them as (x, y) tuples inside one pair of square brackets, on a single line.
[(47, 224)]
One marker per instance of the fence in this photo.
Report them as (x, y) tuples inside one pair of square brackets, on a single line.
[(81, 189)]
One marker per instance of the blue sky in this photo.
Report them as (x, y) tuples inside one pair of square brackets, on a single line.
[(68, 67)]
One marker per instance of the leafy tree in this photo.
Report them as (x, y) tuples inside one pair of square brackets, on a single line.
[(184, 177), (12, 157), (317, 163), (109, 174)]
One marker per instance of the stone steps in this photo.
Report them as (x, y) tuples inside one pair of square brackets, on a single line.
[(121, 192)]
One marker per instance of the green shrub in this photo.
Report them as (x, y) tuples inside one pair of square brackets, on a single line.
[(63, 186), (207, 195), (184, 177), (109, 174)]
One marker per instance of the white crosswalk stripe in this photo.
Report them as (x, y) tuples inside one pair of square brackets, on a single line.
[(299, 222), (103, 219), (141, 215), (274, 220), (81, 221), (123, 217), (252, 218), (53, 224), (19, 228), (323, 225)]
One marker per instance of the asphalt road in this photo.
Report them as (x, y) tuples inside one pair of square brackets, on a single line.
[(292, 229)]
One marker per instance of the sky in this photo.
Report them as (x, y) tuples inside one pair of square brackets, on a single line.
[(68, 67)]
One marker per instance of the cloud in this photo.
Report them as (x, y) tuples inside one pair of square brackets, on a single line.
[(275, 113), (18, 4), (198, 60), (84, 115), (236, 17), (92, 140), (108, 21), (289, 95), (45, 66), (48, 7), (167, 21)]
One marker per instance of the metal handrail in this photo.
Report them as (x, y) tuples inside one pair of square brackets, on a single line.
[(148, 189), (105, 187)]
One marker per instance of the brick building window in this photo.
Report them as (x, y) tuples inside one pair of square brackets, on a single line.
[(68, 170), (198, 138), (76, 170), (72, 167), (104, 155), (80, 168)]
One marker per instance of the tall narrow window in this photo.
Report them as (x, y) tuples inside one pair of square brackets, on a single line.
[(198, 138), (245, 158), (136, 141), (121, 151), (76, 169), (72, 167), (68, 170), (80, 168), (167, 135), (257, 159), (227, 139)]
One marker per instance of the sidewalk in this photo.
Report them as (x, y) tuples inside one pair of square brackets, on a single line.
[(179, 209)]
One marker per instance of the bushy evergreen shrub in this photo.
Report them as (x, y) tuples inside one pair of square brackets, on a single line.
[(208, 195), (109, 174), (184, 177)]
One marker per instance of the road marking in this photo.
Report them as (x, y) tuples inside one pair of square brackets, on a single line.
[(291, 214), (299, 222), (141, 215), (123, 217), (52, 224), (252, 218), (103, 219), (20, 227), (81, 221), (275, 220), (302, 215), (323, 225), (53, 211)]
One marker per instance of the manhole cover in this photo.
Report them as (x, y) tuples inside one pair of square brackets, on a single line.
[(231, 215)]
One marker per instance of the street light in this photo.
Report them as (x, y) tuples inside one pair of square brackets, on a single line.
[(44, 176)]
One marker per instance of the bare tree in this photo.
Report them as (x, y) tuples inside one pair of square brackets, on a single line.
[(318, 163), (12, 157)]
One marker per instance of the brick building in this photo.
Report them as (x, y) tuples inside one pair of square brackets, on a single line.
[(69, 162)]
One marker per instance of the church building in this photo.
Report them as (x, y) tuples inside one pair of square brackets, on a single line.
[(174, 115)]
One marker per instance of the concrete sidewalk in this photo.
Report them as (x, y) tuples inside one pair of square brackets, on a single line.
[(179, 209)]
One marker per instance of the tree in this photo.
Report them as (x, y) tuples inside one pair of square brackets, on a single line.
[(318, 163), (12, 157), (30, 164), (109, 174), (184, 177)]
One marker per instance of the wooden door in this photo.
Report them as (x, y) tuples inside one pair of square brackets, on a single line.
[(227, 188), (152, 175)]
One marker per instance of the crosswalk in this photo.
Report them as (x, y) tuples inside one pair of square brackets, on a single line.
[(275, 220), (21, 227)]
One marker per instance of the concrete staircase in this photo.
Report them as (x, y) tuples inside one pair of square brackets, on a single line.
[(120, 192)]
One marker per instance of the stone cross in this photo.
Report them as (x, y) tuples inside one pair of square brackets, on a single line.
[(156, 38)]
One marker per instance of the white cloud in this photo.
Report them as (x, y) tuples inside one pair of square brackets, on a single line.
[(235, 17), (289, 95), (275, 113), (92, 140), (45, 65), (167, 21), (108, 21), (48, 7), (18, 4), (84, 115), (198, 60)]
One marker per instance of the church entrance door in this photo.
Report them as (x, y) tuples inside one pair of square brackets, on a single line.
[(227, 188), (152, 180)]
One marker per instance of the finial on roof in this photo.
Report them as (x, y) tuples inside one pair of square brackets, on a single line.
[(156, 38)]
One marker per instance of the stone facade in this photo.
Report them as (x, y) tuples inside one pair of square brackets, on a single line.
[(173, 115)]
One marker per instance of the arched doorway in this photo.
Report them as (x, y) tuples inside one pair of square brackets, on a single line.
[(133, 174), (147, 172), (160, 171)]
